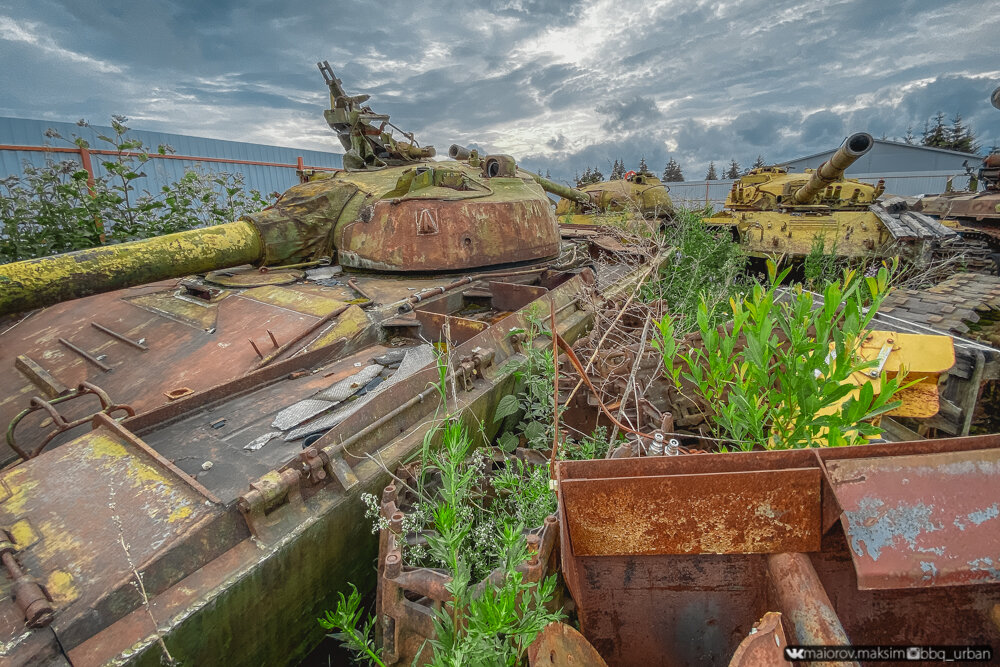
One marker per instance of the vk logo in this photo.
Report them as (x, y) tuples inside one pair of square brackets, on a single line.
[(792, 653)]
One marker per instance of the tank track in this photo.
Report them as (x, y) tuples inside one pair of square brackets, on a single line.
[(976, 251)]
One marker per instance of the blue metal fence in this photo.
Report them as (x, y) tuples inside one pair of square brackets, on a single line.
[(273, 169)]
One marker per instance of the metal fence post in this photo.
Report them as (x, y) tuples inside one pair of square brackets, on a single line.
[(92, 188)]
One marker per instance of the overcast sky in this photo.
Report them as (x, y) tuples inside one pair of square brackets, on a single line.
[(558, 85)]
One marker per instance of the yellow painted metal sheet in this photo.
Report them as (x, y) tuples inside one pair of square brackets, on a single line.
[(86, 515)]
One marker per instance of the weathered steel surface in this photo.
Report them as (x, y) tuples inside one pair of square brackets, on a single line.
[(765, 646), (179, 354), (904, 616), (86, 515), (722, 513), (915, 521), (561, 645), (696, 609), (205, 581), (514, 224)]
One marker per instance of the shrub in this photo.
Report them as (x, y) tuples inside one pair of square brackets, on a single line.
[(51, 209)]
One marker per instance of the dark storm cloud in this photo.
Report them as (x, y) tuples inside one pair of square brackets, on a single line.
[(624, 115), (562, 85)]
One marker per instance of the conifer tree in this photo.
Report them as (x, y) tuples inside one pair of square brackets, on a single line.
[(961, 137), (711, 175), (672, 172), (618, 170), (936, 136), (734, 170), (642, 165), (759, 162)]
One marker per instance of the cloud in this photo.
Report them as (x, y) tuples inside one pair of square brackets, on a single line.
[(27, 32), (626, 115), (559, 85)]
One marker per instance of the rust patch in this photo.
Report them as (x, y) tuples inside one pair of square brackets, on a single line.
[(740, 512)]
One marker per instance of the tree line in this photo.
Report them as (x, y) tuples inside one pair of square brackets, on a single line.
[(958, 136)]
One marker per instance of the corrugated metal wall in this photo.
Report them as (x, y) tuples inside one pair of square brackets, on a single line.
[(160, 172), (894, 157)]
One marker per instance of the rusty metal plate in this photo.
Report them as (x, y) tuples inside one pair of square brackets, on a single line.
[(560, 645), (460, 329), (179, 355), (765, 646), (514, 296), (921, 520), (723, 513)]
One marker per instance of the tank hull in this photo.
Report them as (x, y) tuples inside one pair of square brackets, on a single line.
[(768, 233), (230, 576)]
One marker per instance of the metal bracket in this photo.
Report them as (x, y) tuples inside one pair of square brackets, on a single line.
[(472, 365), (33, 599), (61, 423), (883, 356), (267, 494)]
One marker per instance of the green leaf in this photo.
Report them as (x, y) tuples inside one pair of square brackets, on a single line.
[(507, 442), (534, 430), (506, 407)]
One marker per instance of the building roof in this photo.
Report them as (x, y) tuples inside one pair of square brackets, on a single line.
[(891, 143)]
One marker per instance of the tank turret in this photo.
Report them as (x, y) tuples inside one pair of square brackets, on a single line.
[(457, 152), (391, 209), (975, 211), (826, 188)]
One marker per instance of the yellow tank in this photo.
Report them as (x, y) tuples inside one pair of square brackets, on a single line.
[(775, 212)]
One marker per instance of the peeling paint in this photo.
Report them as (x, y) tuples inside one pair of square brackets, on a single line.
[(879, 528), (61, 587), (984, 515)]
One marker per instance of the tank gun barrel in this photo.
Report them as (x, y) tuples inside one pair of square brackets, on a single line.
[(833, 169), (457, 152), (35, 283), (564, 191)]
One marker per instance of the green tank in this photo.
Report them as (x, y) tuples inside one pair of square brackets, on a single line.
[(390, 209), (192, 419), (637, 192)]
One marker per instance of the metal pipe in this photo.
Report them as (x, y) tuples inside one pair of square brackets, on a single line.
[(803, 601), (281, 350), (35, 283), (86, 355), (123, 338), (833, 169)]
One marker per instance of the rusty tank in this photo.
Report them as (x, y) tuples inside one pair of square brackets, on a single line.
[(636, 192), (775, 212), (974, 213), (192, 419)]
